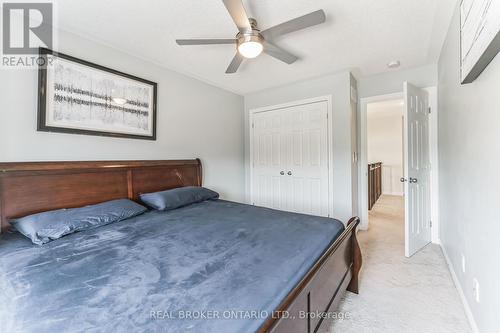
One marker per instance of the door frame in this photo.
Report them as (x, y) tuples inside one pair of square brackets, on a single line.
[(363, 153), (326, 98), (363, 159)]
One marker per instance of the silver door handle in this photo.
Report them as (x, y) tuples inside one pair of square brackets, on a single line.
[(282, 173), (402, 180), (289, 173), (413, 180)]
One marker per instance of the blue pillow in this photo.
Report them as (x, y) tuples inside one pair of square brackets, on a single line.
[(44, 227), (178, 197)]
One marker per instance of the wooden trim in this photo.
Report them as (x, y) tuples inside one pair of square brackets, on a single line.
[(130, 184), (71, 165), (374, 183), (32, 187), (348, 234), (200, 172), (338, 294), (1, 207), (356, 264)]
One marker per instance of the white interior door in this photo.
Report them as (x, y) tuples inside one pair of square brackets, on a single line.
[(269, 156), (290, 159), (417, 169)]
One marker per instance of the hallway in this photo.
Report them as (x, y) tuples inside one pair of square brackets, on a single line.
[(399, 294)]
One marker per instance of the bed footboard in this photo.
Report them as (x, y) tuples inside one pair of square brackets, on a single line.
[(314, 300)]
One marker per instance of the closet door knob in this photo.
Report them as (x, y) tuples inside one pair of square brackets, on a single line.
[(413, 180), (289, 173), (402, 180), (282, 173)]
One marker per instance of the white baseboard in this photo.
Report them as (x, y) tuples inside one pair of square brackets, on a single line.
[(467, 309), (362, 226)]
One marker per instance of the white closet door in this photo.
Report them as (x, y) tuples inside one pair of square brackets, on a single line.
[(269, 141), (290, 159), (307, 163)]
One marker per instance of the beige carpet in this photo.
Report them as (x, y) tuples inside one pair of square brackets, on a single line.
[(399, 294)]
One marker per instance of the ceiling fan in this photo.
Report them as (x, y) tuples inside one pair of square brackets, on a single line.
[(251, 42)]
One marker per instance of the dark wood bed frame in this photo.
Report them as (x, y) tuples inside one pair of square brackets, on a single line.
[(32, 187)]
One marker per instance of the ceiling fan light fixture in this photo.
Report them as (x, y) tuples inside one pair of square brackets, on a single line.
[(250, 46), (250, 49), (250, 42)]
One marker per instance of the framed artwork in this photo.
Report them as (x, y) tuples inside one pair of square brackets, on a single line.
[(76, 96), (479, 36)]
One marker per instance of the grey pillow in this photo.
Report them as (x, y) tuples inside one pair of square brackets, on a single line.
[(178, 197), (44, 227)]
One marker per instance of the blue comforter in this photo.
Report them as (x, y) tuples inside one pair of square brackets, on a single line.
[(216, 266)]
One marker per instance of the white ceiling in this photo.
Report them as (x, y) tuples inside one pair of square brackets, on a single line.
[(360, 35)]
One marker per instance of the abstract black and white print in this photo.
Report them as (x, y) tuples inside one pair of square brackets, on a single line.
[(479, 36), (84, 98)]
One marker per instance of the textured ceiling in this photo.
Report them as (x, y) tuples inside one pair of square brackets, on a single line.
[(360, 35)]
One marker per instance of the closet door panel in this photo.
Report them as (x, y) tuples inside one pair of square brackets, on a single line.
[(267, 160), (291, 152), (309, 160)]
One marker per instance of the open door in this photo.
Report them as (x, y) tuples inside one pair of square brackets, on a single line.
[(416, 169)]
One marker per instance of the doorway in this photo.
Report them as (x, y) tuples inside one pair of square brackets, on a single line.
[(385, 146), (385, 152), (405, 139)]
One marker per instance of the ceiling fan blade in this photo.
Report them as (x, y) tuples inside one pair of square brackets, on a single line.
[(205, 41), (279, 53), (235, 64), (238, 13), (298, 23)]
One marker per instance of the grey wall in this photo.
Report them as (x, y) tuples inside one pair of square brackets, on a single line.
[(469, 146), (338, 86), (194, 120), (392, 82)]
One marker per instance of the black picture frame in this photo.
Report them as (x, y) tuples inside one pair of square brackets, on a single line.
[(43, 91)]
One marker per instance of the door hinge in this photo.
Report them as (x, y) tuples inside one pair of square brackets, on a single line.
[(430, 110), (253, 125), (430, 224)]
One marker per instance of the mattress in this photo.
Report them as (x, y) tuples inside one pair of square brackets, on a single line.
[(215, 266)]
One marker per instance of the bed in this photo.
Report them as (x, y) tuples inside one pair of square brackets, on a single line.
[(214, 266)]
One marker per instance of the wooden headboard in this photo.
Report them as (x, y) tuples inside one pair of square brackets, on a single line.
[(33, 187)]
